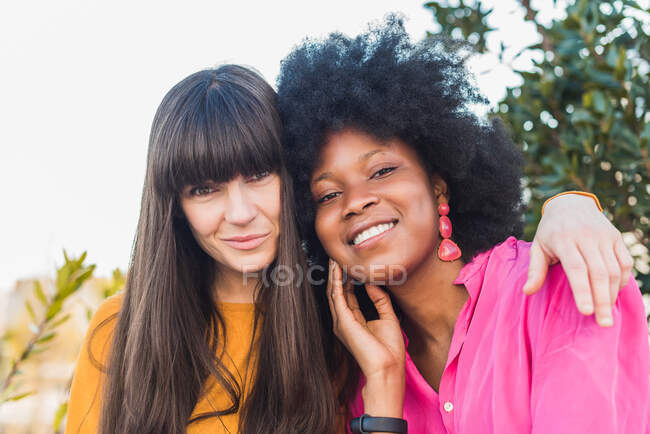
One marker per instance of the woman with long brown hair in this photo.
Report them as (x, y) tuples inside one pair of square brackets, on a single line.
[(188, 349)]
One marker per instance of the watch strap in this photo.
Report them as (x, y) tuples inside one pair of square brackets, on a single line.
[(367, 424)]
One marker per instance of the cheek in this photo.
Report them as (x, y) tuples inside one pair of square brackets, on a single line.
[(203, 222), (269, 202), (422, 214), (326, 231), (424, 220), (319, 226)]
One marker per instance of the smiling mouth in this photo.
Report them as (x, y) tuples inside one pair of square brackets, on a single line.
[(372, 232)]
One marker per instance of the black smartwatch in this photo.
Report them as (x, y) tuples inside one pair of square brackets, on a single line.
[(367, 424)]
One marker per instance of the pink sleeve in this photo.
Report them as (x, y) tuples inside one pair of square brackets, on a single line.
[(588, 379)]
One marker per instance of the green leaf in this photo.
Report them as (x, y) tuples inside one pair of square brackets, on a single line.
[(46, 338), (60, 414), (646, 132), (38, 290), (30, 309), (602, 78), (38, 350), (62, 277), (570, 47), (582, 116), (619, 71), (600, 105), (19, 397), (78, 278), (54, 309), (60, 321)]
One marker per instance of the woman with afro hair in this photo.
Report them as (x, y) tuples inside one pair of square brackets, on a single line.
[(418, 202)]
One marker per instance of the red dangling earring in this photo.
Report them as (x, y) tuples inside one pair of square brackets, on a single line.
[(448, 250)]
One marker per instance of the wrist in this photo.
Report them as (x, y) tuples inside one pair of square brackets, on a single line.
[(369, 424), (383, 394), (569, 199)]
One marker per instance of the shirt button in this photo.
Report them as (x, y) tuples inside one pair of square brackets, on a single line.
[(448, 407)]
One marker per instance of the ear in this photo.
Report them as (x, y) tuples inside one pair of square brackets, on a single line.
[(439, 187)]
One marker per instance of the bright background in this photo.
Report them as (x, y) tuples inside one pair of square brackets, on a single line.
[(80, 81)]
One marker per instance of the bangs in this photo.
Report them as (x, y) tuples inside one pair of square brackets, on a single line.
[(216, 133)]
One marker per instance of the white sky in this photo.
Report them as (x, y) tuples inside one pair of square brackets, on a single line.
[(80, 81)]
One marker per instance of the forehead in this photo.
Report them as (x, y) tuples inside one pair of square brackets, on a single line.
[(349, 148)]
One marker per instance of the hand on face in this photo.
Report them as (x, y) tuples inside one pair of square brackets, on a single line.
[(592, 252), (377, 346)]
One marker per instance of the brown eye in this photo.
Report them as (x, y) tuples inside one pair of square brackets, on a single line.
[(202, 190), (327, 197), (382, 172), (259, 176)]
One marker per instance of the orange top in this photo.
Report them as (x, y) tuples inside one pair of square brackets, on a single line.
[(84, 405)]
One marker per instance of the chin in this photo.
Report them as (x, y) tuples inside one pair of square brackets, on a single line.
[(378, 273), (254, 263)]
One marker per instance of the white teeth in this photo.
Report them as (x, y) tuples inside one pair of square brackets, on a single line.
[(371, 232)]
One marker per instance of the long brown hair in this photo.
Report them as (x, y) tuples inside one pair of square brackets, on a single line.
[(213, 125)]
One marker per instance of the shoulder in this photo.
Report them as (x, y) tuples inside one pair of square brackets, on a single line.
[(508, 264), (106, 313), (504, 270), (109, 307), (84, 403), (100, 330), (499, 272), (551, 316), (550, 319)]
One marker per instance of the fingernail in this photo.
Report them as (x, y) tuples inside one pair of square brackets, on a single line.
[(587, 308), (606, 321)]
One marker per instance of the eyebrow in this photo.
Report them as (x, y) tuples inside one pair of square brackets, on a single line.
[(361, 159)]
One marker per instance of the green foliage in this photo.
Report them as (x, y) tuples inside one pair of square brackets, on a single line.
[(463, 20), (59, 416), (70, 276), (582, 113), (115, 285)]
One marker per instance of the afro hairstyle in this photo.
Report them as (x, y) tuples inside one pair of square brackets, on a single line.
[(382, 84)]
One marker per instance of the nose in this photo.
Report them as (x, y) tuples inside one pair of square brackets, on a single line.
[(358, 198), (240, 210)]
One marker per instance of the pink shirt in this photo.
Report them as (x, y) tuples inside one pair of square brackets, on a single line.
[(533, 364)]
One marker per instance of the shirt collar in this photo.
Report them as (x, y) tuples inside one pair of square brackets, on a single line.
[(473, 274)]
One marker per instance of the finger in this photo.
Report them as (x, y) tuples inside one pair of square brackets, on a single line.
[(576, 272), (539, 262), (341, 307), (330, 298), (625, 260), (353, 303), (613, 269), (381, 300), (599, 281)]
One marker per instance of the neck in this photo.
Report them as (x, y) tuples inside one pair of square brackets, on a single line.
[(430, 301), (235, 287)]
